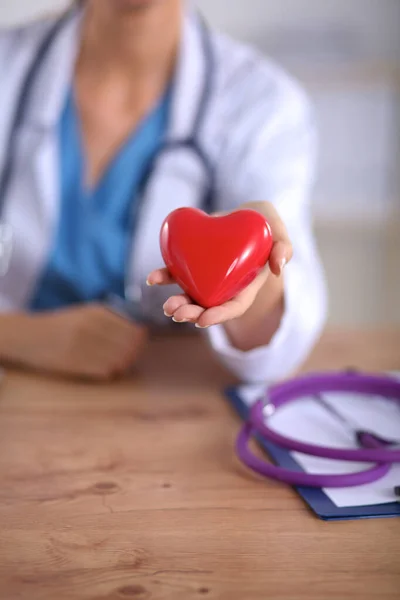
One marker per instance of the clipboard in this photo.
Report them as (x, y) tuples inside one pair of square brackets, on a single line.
[(316, 499)]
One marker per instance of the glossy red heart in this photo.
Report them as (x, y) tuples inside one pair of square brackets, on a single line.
[(214, 258)]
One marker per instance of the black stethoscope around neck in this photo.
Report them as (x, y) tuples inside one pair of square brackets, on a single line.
[(191, 143)]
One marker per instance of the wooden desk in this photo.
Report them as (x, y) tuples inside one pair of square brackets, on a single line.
[(132, 491)]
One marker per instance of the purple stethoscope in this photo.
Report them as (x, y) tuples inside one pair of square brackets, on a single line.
[(373, 448)]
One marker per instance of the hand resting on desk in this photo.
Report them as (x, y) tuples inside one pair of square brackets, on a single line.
[(88, 342)]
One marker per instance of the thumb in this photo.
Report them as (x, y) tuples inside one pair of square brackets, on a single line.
[(281, 254)]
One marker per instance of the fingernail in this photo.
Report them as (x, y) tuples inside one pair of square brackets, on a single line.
[(167, 314), (181, 321), (201, 326), (282, 264), (149, 283)]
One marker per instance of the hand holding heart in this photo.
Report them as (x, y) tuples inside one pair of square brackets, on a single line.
[(221, 262)]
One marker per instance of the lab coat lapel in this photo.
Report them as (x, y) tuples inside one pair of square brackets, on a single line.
[(190, 79), (32, 211), (32, 204)]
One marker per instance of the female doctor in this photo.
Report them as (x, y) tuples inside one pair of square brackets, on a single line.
[(112, 116)]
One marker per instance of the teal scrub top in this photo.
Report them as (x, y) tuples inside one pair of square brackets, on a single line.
[(93, 239)]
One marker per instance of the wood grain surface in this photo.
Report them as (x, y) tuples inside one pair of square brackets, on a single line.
[(132, 490)]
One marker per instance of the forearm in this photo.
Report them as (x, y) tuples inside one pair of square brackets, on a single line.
[(14, 332), (261, 321)]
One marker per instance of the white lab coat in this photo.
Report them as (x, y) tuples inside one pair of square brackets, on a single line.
[(259, 133)]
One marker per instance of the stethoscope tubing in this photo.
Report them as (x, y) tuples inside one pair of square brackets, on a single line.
[(381, 455), (300, 478)]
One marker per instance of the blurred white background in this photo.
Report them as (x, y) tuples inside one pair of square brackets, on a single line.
[(347, 54)]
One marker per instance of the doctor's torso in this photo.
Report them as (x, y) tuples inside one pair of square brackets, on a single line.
[(237, 94)]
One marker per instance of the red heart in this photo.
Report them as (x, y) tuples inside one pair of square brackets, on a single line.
[(214, 258)]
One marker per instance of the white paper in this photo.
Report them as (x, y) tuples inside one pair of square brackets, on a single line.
[(308, 421)]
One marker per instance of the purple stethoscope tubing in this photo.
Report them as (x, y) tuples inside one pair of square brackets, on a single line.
[(284, 393)]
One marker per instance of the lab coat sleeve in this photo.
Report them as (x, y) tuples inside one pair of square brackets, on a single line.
[(276, 162), (6, 49)]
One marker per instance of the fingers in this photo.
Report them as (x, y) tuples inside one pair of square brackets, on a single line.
[(221, 314), (113, 329), (282, 250), (174, 303), (235, 308), (188, 314), (280, 255), (160, 277), (182, 310), (129, 355), (114, 342)]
